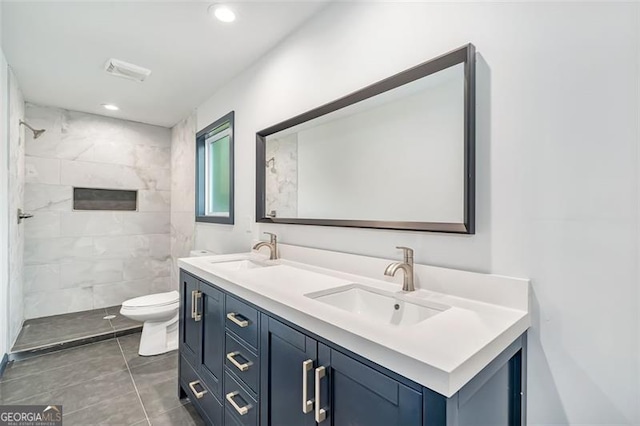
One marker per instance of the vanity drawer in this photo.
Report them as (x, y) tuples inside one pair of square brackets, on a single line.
[(242, 362), (239, 403), (198, 393), (242, 320)]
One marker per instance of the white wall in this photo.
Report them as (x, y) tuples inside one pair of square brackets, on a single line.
[(80, 260), (557, 178)]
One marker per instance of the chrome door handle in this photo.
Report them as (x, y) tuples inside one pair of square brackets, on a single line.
[(240, 323), (197, 315), (193, 304), (321, 413), (241, 410), (307, 404), (242, 367), (197, 394)]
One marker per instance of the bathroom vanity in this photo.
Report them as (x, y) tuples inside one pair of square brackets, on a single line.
[(323, 337)]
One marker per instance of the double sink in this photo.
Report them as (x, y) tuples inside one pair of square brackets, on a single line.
[(380, 306)]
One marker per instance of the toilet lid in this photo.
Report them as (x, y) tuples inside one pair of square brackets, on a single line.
[(158, 299)]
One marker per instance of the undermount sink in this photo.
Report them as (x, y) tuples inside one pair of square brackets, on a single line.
[(378, 305), (239, 265)]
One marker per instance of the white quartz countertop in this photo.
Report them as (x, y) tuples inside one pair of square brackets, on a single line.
[(443, 352)]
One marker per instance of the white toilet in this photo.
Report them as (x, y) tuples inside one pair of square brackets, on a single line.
[(159, 312)]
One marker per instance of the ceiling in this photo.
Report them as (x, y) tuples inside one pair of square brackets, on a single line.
[(57, 51)]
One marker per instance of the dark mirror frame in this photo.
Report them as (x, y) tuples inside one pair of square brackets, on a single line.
[(200, 168), (464, 55)]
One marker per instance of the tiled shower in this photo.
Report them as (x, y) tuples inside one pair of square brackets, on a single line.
[(80, 261)]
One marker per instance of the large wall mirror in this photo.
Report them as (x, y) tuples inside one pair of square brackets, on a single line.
[(398, 154)]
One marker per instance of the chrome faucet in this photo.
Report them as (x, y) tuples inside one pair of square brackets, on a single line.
[(407, 268), (272, 244)]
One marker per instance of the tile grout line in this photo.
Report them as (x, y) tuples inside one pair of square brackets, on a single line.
[(144, 410)]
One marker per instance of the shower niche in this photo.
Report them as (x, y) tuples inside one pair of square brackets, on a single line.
[(104, 199)]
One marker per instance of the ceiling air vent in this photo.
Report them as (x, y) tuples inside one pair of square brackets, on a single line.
[(126, 70)]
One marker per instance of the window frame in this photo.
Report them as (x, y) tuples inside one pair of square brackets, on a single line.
[(202, 171)]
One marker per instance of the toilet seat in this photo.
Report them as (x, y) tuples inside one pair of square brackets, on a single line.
[(153, 300)]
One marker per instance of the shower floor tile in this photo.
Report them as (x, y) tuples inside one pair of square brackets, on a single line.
[(47, 332)]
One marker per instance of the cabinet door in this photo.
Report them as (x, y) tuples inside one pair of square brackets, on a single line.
[(189, 327), (284, 355), (211, 307), (361, 396)]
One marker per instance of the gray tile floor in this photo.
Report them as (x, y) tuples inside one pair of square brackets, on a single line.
[(104, 383), (44, 332)]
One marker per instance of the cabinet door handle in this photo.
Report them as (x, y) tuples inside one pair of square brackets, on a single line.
[(307, 404), (193, 304), (242, 367), (241, 410), (321, 413), (197, 315), (240, 323), (197, 394)]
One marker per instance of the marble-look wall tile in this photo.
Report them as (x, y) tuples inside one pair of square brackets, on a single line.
[(61, 301), (96, 175), (133, 155), (159, 245), (146, 222), (119, 254), (160, 285), (115, 293), (42, 170), (38, 196), (49, 119), (182, 193), (183, 154), (126, 246), (57, 250), (146, 134), (281, 178), (16, 193), (43, 224), (77, 224), (154, 201), (135, 269), (41, 278), (89, 272)]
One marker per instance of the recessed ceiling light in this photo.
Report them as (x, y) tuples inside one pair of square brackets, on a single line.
[(222, 13), (110, 107)]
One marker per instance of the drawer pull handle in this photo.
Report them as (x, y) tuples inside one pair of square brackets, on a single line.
[(307, 404), (197, 394), (321, 413), (197, 315), (232, 316), (241, 410), (193, 304), (242, 367)]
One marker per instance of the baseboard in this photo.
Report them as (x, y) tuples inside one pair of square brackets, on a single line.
[(3, 364)]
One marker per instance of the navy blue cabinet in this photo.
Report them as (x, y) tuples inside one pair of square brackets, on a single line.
[(357, 395), (190, 339), (211, 357), (288, 359), (201, 346), (350, 393)]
